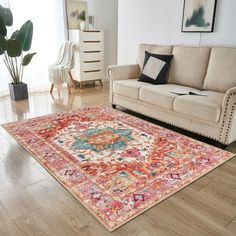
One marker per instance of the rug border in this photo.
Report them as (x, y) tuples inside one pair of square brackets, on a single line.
[(73, 194)]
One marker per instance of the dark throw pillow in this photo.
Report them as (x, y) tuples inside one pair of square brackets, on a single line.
[(155, 68)]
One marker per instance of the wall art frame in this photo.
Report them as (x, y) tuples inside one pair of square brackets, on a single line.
[(76, 13), (198, 16)]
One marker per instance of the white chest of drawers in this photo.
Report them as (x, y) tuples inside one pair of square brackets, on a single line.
[(89, 57)]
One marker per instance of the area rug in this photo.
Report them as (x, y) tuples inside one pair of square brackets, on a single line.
[(116, 165)]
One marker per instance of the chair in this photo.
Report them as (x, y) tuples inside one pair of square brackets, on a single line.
[(59, 72)]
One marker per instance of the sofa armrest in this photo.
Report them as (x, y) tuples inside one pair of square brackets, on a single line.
[(122, 72), (228, 117)]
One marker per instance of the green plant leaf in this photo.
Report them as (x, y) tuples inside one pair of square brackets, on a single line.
[(3, 44), (82, 16), (26, 34), (3, 29), (13, 48), (27, 58), (6, 15), (16, 35)]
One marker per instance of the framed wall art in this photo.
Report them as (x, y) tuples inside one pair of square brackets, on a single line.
[(198, 15), (77, 13)]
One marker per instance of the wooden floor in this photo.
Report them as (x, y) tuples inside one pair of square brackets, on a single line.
[(33, 203)]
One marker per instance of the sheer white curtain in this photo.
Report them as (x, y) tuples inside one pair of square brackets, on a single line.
[(49, 33)]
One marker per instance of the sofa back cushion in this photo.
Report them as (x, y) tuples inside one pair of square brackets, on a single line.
[(189, 66), (221, 72), (152, 48)]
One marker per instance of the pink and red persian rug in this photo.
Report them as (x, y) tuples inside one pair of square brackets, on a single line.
[(116, 165)]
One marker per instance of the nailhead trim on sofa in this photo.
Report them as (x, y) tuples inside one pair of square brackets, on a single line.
[(223, 137)]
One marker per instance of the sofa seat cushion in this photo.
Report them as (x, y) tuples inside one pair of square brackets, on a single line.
[(128, 88), (206, 108), (159, 95)]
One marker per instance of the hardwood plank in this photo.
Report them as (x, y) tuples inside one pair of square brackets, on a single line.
[(232, 226), (206, 204), (143, 233), (7, 225), (222, 192), (192, 221), (157, 222), (40, 222)]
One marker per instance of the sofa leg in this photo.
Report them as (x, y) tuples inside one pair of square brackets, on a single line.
[(221, 145), (113, 106)]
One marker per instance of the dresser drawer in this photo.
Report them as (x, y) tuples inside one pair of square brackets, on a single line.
[(91, 46), (91, 56), (90, 36), (88, 66), (92, 75)]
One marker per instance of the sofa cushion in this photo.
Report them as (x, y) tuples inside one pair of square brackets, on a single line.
[(152, 48), (159, 95), (128, 88), (189, 66), (221, 72), (155, 68), (200, 107)]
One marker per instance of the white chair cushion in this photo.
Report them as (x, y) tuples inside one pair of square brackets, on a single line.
[(200, 107)]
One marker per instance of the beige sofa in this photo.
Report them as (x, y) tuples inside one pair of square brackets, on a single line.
[(208, 68)]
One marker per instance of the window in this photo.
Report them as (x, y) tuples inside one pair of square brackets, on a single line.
[(49, 34)]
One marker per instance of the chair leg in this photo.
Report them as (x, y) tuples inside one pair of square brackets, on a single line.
[(58, 90), (72, 80), (68, 86), (100, 81), (51, 88)]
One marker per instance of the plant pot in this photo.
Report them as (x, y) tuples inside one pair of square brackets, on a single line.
[(18, 91)]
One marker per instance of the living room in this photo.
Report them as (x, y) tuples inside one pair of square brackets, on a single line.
[(127, 126)]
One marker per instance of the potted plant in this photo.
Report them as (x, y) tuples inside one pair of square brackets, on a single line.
[(14, 51), (82, 17)]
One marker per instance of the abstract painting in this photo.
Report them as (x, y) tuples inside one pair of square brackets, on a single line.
[(198, 15), (77, 12)]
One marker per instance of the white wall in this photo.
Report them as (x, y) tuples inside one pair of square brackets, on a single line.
[(105, 13), (159, 21)]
